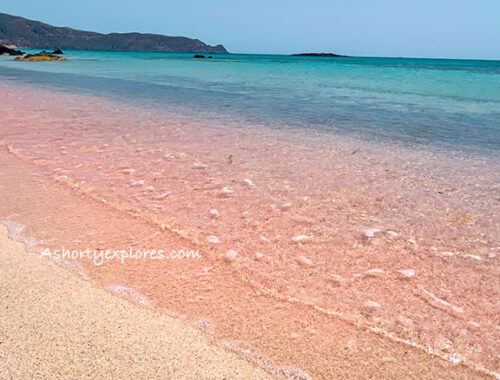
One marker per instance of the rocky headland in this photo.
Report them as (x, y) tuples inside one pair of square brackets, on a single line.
[(32, 34)]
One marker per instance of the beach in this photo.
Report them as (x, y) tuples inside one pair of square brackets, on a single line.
[(49, 330), (279, 251)]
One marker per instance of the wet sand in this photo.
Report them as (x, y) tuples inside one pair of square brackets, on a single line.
[(56, 325), (321, 257)]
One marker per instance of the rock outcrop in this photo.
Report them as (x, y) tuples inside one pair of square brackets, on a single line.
[(4, 50)]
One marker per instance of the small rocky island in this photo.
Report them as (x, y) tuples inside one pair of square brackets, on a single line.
[(331, 55), (43, 56), (38, 57)]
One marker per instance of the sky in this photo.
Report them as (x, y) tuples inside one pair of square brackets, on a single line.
[(396, 28)]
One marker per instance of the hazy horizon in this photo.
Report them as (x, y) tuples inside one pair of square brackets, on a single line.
[(451, 29)]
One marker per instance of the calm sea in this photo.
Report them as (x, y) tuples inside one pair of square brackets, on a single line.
[(450, 104)]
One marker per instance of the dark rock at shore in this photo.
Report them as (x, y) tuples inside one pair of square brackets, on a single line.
[(320, 55), (46, 53), (9, 51), (199, 56)]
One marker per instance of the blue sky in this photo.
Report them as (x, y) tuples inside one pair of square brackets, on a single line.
[(416, 28)]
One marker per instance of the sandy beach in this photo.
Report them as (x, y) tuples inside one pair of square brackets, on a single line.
[(56, 325)]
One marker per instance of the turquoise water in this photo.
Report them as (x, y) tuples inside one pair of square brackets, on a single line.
[(454, 104)]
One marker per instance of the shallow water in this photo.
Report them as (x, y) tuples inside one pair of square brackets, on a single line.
[(322, 253), (452, 104)]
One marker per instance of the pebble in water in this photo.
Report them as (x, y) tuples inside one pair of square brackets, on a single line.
[(375, 272), (214, 214), (370, 232), (286, 206), (336, 280), (231, 256), (370, 307), (213, 239), (226, 192), (301, 238), (249, 182), (407, 273), (169, 156), (134, 182), (474, 325), (201, 166), (259, 256), (304, 261)]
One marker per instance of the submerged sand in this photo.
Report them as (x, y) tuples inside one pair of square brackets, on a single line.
[(55, 325)]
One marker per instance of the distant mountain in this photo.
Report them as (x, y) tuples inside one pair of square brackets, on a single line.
[(25, 33)]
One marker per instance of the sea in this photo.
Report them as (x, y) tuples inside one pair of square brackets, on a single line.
[(453, 104)]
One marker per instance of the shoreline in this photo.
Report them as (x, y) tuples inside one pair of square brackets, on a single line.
[(57, 171), (55, 324)]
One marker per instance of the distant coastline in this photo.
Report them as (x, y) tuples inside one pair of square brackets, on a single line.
[(30, 34)]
